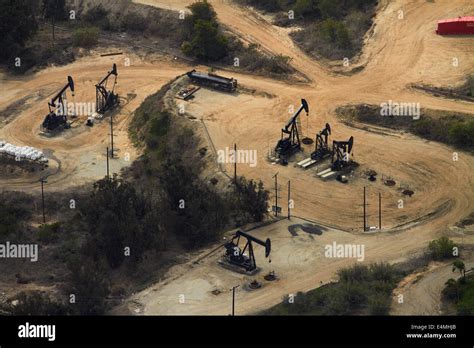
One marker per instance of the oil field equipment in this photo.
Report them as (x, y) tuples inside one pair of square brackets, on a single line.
[(321, 149), (106, 99), (57, 116), (341, 153), (234, 255), (212, 80), (290, 139)]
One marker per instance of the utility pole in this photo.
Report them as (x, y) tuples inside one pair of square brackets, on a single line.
[(276, 194), (365, 221), (233, 298), (289, 199), (235, 164), (43, 181), (107, 156), (380, 211), (112, 136)]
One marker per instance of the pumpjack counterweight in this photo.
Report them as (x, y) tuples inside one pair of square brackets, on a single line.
[(106, 99), (57, 116), (290, 139), (236, 256)]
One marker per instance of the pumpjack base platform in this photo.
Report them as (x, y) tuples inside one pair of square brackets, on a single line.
[(227, 265), (52, 133)]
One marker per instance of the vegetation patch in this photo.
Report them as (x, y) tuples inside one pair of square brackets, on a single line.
[(198, 35), (465, 91), (447, 127), (86, 37), (361, 290), (332, 29), (203, 39), (442, 248), (459, 293)]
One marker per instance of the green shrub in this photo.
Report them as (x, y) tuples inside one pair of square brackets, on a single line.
[(335, 32), (441, 248), (465, 305), (328, 8), (134, 22), (304, 7), (462, 133), (383, 271), (86, 37), (37, 303), (379, 304), (354, 273), (89, 285), (10, 217), (49, 232), (470, 85), (97, 15)]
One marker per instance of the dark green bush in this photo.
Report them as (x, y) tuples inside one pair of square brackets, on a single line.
[(86, 37), (49, 232), (441, 248)]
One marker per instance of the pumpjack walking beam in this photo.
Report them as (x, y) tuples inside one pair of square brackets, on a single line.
[(291, 143), (106, 99), (57, 107)]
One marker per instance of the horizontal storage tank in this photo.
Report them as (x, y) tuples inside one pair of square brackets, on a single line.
[(456, 26)]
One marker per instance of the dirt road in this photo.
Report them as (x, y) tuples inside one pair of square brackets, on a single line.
[(422, 291)]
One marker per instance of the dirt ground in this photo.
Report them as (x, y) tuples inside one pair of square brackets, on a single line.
[(78, 154), (290, 252), (397, 53)]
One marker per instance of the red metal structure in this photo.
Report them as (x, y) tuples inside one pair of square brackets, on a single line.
[(456, 26)]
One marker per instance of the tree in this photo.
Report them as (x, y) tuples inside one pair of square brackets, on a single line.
[(452, 289), (305, 7), (441, 248), (459, 266), (17, 25), (202, 10), (54, 9), (204, 41), (253, 198), (207, 43), (89, 287), (119, 217)]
